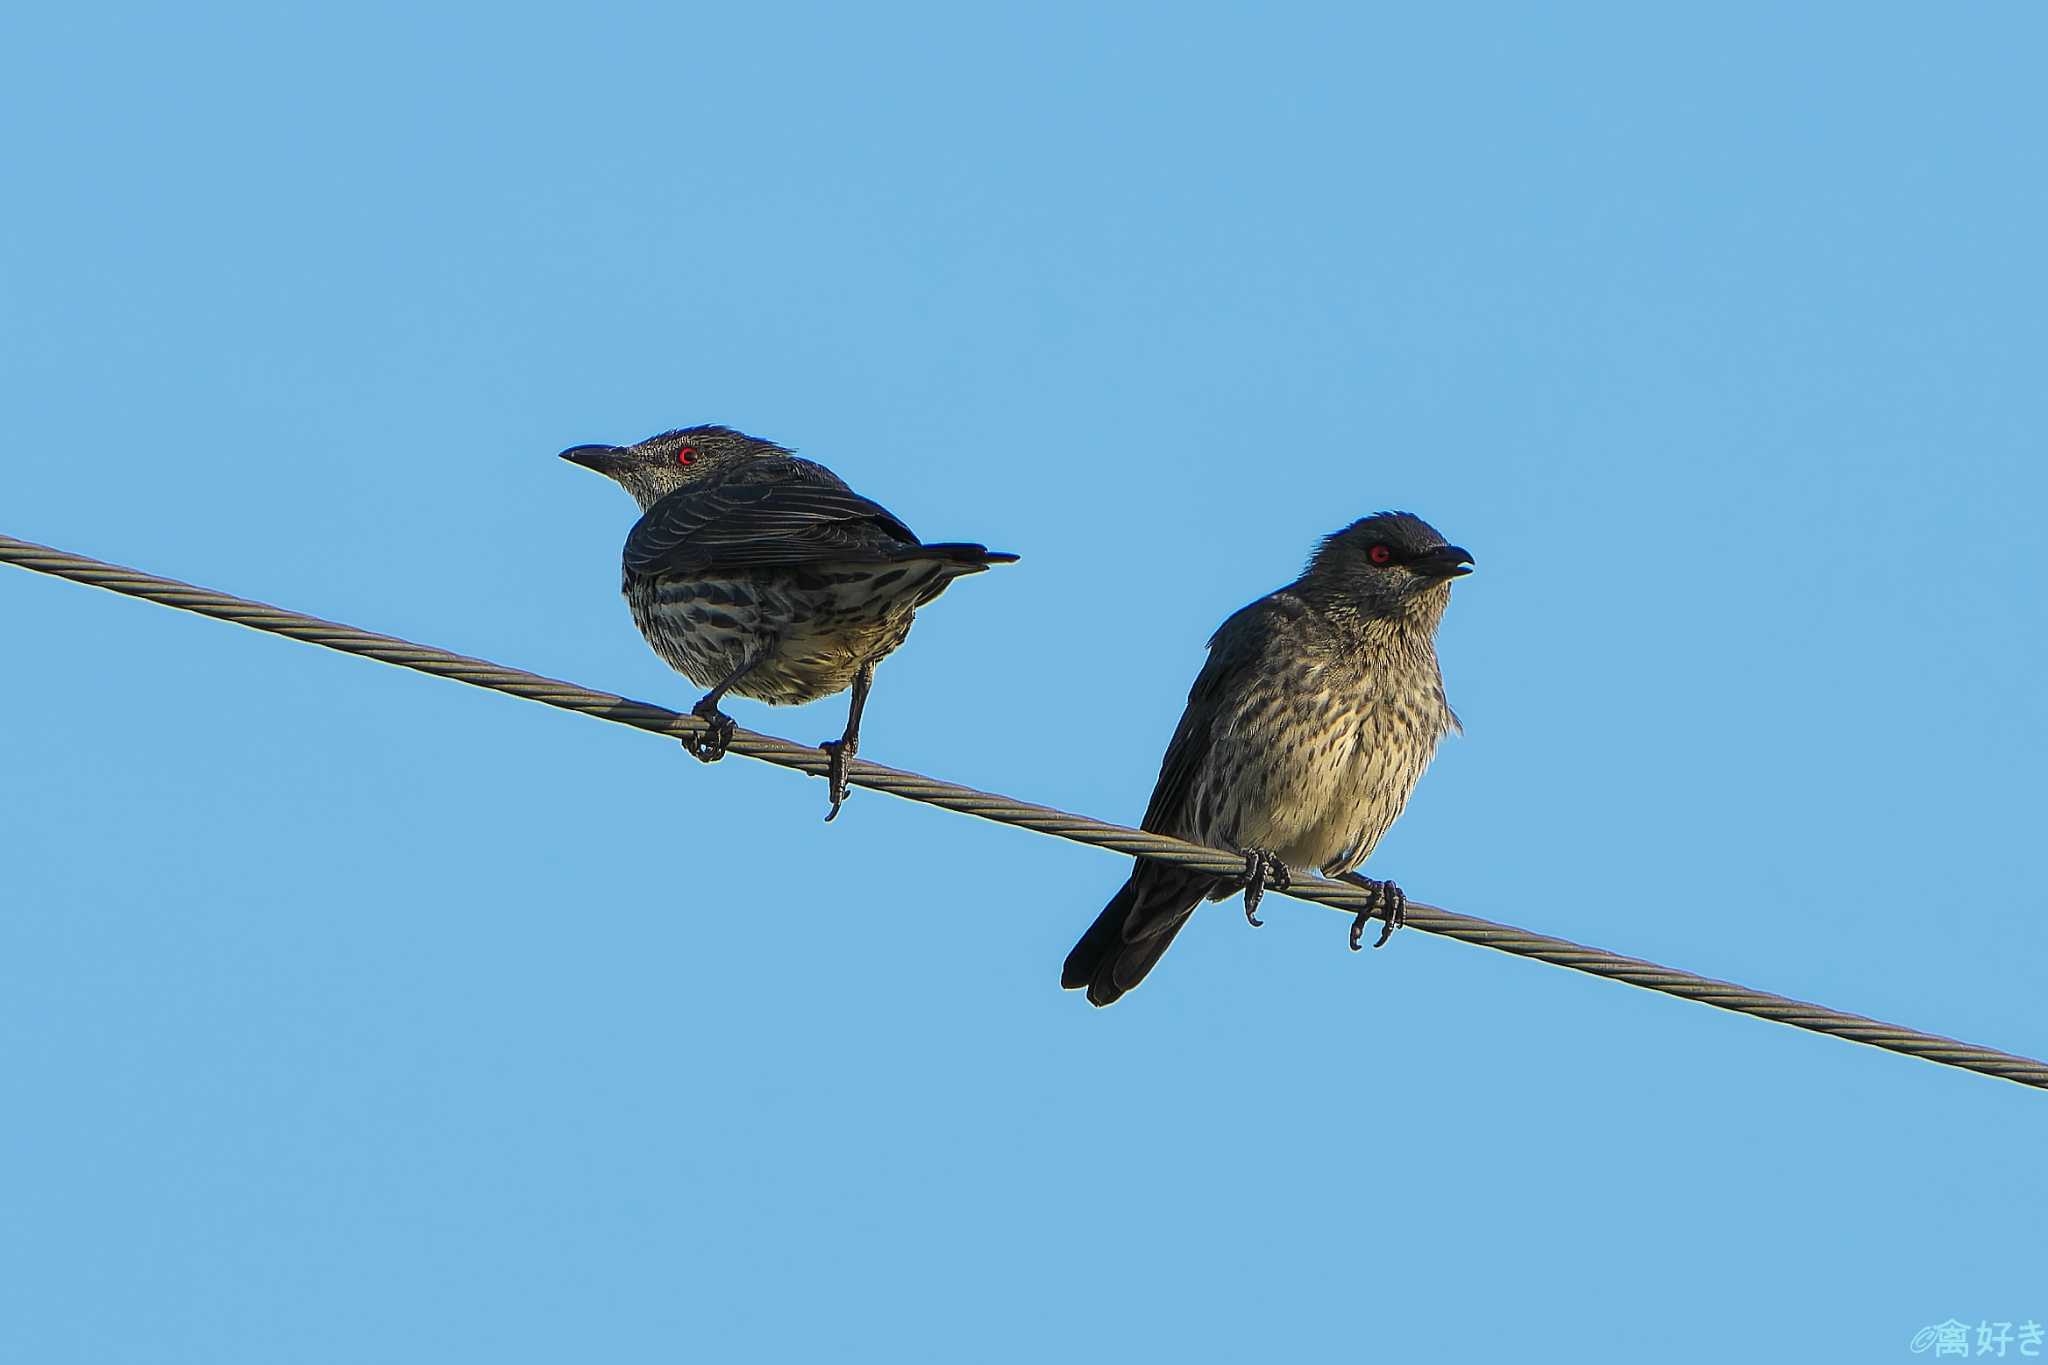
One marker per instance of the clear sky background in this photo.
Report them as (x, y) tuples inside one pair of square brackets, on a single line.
[(348, 1015)]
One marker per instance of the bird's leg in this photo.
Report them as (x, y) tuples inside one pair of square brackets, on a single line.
[(709, 743), (848, 744), (1262, 868), (1388, 901)]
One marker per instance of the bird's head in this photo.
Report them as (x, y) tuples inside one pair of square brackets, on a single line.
[(1390, 564), (661, 464)]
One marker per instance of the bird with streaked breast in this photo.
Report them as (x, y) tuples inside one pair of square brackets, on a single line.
[(1317, 711), (756, 572)]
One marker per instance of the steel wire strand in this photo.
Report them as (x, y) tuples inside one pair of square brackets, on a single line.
[(1023, 814)]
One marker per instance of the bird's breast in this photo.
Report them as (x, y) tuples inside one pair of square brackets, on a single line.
[(1319, 769)]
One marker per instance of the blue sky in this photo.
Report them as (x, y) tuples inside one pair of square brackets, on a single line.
[(351, 1015)]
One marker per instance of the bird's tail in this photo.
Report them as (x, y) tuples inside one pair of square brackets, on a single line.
[(969, 557), (1133, 931)]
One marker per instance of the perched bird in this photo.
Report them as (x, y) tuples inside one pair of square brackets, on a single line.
[(1318, 709), (755, 572)]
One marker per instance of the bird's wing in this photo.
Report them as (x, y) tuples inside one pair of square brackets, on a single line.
[(1162, 895), (1233, 650), (763, 514)]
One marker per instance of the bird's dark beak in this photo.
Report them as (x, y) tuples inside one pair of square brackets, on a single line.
[(1445, 561), (606, 460)]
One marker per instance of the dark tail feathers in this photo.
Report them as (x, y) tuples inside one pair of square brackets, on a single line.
[(1105, 960), (973, 558)]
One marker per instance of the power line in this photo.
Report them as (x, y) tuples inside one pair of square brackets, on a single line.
[(1023, 814)]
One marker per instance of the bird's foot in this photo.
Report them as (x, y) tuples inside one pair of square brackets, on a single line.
[(1262, 868), (835, 773), (1388, 901), (709, 744)]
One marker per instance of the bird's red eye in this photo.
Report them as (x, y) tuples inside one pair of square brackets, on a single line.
[(1381, 554), (685, 454)]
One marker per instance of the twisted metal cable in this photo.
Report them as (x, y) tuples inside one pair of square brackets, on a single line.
[(1023, 814)]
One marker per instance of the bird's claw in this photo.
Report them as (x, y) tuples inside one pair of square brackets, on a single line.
[(1262, 868), (710, 743), (835, 774), (1387, 901)]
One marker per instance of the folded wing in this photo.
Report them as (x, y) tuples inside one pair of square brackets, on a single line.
[(765, 515)]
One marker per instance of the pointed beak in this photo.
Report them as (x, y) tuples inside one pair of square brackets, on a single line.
[(1445, 561), (605, 460)]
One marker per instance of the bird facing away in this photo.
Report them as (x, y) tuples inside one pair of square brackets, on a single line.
[(756, 572), (1305, 732)]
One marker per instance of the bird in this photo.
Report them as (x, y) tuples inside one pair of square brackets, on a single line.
[(755, 572), (1317, 710)]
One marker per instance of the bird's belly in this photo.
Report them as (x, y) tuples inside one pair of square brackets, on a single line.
[(1349, 826), (1311, 809), (817, 659), (1322, 797), (1387, 763), (807, 631)]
